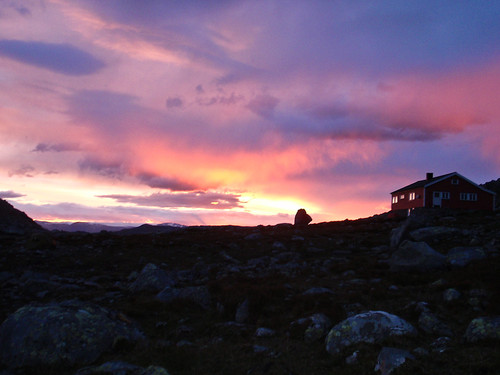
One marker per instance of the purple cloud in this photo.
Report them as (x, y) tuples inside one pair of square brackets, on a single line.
[(24, 170), (165, 182), (263, 105), (56, 147), (60, 58), (197, 199), (10, 194), (112, 169), (174, 102)]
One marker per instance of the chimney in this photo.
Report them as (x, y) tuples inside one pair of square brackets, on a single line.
[(429, 176)]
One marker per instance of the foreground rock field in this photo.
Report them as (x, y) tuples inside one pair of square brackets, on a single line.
[(418, 295)]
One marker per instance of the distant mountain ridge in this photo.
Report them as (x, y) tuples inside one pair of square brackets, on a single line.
[(80, 227), (89, 227)]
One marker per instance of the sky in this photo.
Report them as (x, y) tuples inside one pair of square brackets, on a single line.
[(241, 112)]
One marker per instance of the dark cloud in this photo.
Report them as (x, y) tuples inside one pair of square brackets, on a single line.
[(24, 170), (197, 199), (343, 121), (113, 169), (165, 182), (10, 194), (57, 147), (59, 58), (220, 99), (174, 102), (199, 89), (263, 105)]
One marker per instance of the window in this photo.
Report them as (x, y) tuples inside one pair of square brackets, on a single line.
[(437, 194), (394, 199), (445, 195), (412, 196), (468, 196), (402, 196), (454, 181)]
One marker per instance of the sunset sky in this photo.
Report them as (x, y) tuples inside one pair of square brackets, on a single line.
[(241, 112)]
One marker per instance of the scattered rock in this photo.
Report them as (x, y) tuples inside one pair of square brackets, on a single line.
[(416, 256), (353, 358), (451, 294), (391, 358), (427, 233), (429, 323), (318, 290), (121, 368), (483, 328), (265, 332), (302, 219), (398, 234), (369, 327), (64, 334), (196, 294), (242, 312), (318, 329), (441, 344)]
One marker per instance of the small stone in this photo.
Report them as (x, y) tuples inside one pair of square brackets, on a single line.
[(441, 344), (265, 332), (391, 358), (451, 294), (242, 312), (353, 358)]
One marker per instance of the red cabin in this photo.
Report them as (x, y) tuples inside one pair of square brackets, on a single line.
[(451, 190)]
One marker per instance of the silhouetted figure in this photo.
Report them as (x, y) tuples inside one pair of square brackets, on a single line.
[(302, 218)]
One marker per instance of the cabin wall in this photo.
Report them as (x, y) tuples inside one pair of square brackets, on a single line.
[(405, 202), (453, 200)]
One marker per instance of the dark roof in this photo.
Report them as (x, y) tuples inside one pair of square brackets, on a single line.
[(423, 183)]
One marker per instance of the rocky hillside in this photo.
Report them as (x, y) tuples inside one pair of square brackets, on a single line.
[(15, 221), (350, 297)]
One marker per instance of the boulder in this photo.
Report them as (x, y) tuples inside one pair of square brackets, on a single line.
[(399, 233), (302, 218), (196, 294), (151, 279), (416, 256), (483, 328), (461, 256), (369, 327), (62, 334), (391, 358)]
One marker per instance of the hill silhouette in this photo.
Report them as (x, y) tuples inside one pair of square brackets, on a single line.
[(16, 222)]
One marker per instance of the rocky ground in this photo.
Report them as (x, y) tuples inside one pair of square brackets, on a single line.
[(350, 297)]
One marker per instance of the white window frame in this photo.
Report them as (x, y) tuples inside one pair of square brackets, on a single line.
[(455, 181), (402, 196), (445, 195), (395, 199), (468, 197), (411, 196)]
